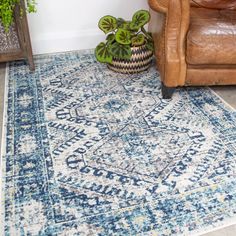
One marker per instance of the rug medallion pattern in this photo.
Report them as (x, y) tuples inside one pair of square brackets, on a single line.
[(92, 152)]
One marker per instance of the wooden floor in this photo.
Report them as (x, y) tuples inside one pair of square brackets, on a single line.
[(228, 93)]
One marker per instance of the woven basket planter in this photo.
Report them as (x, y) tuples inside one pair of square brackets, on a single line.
[(140, 61)]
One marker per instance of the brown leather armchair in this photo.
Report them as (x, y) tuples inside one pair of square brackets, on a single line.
[(195, 42)]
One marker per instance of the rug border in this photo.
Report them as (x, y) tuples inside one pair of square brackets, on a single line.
[(209, 229), (3, 149), (225, 223)]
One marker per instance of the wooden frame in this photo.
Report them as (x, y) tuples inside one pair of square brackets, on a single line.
[(20, 28)]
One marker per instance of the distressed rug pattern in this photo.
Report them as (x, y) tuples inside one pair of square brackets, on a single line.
[(91, 152)]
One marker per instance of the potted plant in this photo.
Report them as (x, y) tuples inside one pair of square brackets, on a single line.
[(8, 7), (14, 33), (128, 47)]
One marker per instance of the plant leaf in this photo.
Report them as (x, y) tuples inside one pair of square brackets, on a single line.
[(103, 54), (120, 22), (138, 40), (147, 34), (123, 36), (126, 25), (139, 19), (107, 24), (110, 38), (150, 45), (120, 51)]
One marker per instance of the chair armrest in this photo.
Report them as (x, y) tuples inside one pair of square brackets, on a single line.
[(170, 38), (177, 24), (159, 5)]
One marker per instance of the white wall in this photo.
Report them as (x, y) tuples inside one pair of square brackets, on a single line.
[(64, 25)]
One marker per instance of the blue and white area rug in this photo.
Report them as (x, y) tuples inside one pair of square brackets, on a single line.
[(87, 151)]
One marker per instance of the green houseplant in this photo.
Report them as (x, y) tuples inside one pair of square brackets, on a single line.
[(7, 8), (14, 32), (123, 40)]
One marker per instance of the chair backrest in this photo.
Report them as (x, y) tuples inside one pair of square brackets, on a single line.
[(215, 4)]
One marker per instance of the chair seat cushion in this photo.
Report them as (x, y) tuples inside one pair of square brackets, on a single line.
[(211, 37)]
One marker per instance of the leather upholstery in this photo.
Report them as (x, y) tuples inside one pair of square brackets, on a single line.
[(215, 4), (211, 38), (194, 45)]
